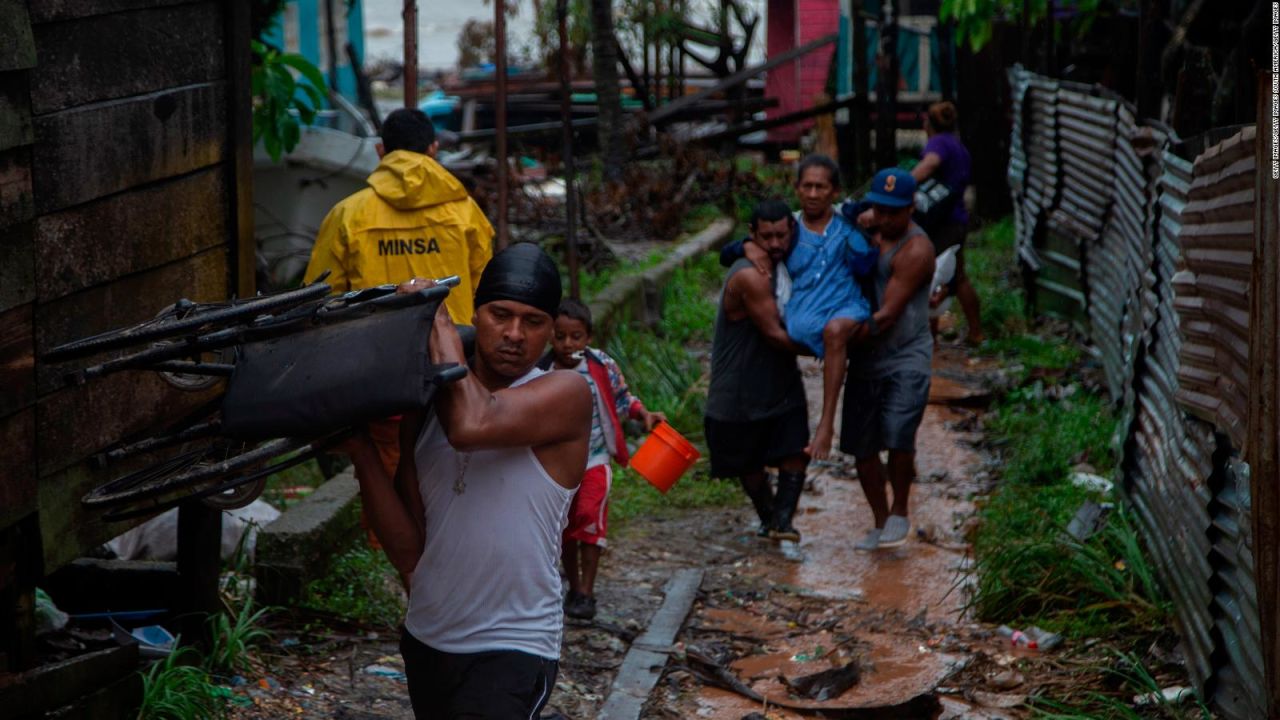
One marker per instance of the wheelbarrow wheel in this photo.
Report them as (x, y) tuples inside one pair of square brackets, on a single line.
[(231, 491), (192, 470), (182, 317)]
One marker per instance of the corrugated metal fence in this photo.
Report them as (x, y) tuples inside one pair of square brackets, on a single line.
[(1146, 241)]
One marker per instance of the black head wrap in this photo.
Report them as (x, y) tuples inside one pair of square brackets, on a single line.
[(523, 273)]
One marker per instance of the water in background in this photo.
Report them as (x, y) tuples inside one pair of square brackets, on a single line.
[(440, 22)]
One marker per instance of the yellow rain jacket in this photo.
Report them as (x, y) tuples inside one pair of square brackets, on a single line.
[(414, 220)]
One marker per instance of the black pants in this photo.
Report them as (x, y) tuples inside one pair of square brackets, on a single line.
[(499, 685)]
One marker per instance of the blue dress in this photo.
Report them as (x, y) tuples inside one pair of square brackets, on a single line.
[(823, 267)]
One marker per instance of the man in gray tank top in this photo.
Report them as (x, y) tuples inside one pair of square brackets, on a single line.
[(887, 387), (756, 412), (474, 517)]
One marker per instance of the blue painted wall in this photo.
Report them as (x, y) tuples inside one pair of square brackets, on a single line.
[(299, 29)]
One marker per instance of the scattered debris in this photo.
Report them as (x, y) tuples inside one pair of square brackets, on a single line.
[(1088, 520), (826, 684), (1092, 481), (1174, 694)]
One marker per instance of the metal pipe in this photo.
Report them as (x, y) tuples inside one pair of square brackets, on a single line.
[(331, 43), (410, 16), (566, 121), (500, 116)]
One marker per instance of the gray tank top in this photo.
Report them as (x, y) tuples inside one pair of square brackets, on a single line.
[(750, 379), (488, 578), (908, 345)]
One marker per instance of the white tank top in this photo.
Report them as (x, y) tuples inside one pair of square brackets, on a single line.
[(488, 578)]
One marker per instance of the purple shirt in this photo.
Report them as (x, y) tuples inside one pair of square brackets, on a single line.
[(953, 171)]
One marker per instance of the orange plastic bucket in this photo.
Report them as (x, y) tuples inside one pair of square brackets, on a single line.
[(663, 457)]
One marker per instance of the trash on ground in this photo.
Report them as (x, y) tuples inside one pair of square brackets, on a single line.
[(153, 641), (827, 684), (1001, 701), (48, 617), (384, 671), (1017, 638), (1174, 694), (1044, 639), (1092, 481), (1088, 520)]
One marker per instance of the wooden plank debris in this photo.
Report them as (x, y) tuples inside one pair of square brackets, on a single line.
[(644, 662)]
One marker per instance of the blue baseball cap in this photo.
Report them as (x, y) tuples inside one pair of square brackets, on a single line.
[(892, 187)]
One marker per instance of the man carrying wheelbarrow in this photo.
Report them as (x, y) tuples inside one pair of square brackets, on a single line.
[(475, 514)]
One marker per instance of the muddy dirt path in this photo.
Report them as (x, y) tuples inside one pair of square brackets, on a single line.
[(765, 612), (783, 612)]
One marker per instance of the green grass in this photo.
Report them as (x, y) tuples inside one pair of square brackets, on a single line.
[(1041, 439), (233, 637), (992, 267), (361, 587), (1131, 678), (1028, 570), (664, 371), (178, 688)]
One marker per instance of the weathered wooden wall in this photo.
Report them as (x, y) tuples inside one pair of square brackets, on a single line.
[(124, 160)]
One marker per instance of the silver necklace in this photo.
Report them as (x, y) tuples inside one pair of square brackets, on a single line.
[(460, 482)]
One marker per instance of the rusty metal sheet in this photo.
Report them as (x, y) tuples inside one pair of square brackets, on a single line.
[(1155, 249)]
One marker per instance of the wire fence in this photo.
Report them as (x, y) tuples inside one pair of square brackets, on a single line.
[(1145, 241)]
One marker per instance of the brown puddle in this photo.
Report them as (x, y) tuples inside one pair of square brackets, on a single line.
[(893, 583)]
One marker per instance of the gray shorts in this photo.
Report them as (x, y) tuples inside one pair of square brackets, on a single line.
[(883, 414)]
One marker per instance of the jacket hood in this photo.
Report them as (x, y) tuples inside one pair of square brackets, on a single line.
[(409, 180)]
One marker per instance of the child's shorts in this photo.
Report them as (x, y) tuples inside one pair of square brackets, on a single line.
[(589, 512)]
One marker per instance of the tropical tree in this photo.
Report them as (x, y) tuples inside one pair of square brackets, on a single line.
[(604, 66)]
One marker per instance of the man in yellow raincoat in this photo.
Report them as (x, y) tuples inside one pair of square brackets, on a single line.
[(414, 220)]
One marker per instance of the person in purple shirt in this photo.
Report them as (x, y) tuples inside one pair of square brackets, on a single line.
[(947, 160)]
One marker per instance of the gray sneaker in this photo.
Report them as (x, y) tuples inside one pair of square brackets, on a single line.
[(869, 542), (896, 530)]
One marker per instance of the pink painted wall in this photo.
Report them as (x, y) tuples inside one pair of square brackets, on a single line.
[(792, 23)]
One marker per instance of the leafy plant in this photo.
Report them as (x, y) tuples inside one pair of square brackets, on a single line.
[(173, 689), (362, 586), (283, 84), (1135, 678), (233, 635)]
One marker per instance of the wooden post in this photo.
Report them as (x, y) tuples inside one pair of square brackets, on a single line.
[(500, 116), (242, 264), (566, 145), (946, 63), (887, 88), (1263, 446), (1151, 15), (861, 115), (199, 561), (410, 16)]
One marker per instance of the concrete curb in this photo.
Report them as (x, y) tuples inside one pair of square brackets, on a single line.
[(303, 542)]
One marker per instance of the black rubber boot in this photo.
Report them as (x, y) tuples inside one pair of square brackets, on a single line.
[(790, 485), (761, 494)]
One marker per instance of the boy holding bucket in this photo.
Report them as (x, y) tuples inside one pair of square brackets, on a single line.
[(584, 537)]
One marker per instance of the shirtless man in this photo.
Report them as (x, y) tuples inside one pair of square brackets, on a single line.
[(474, 517)]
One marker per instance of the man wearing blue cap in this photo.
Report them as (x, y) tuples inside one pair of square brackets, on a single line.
[(887, 387)]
